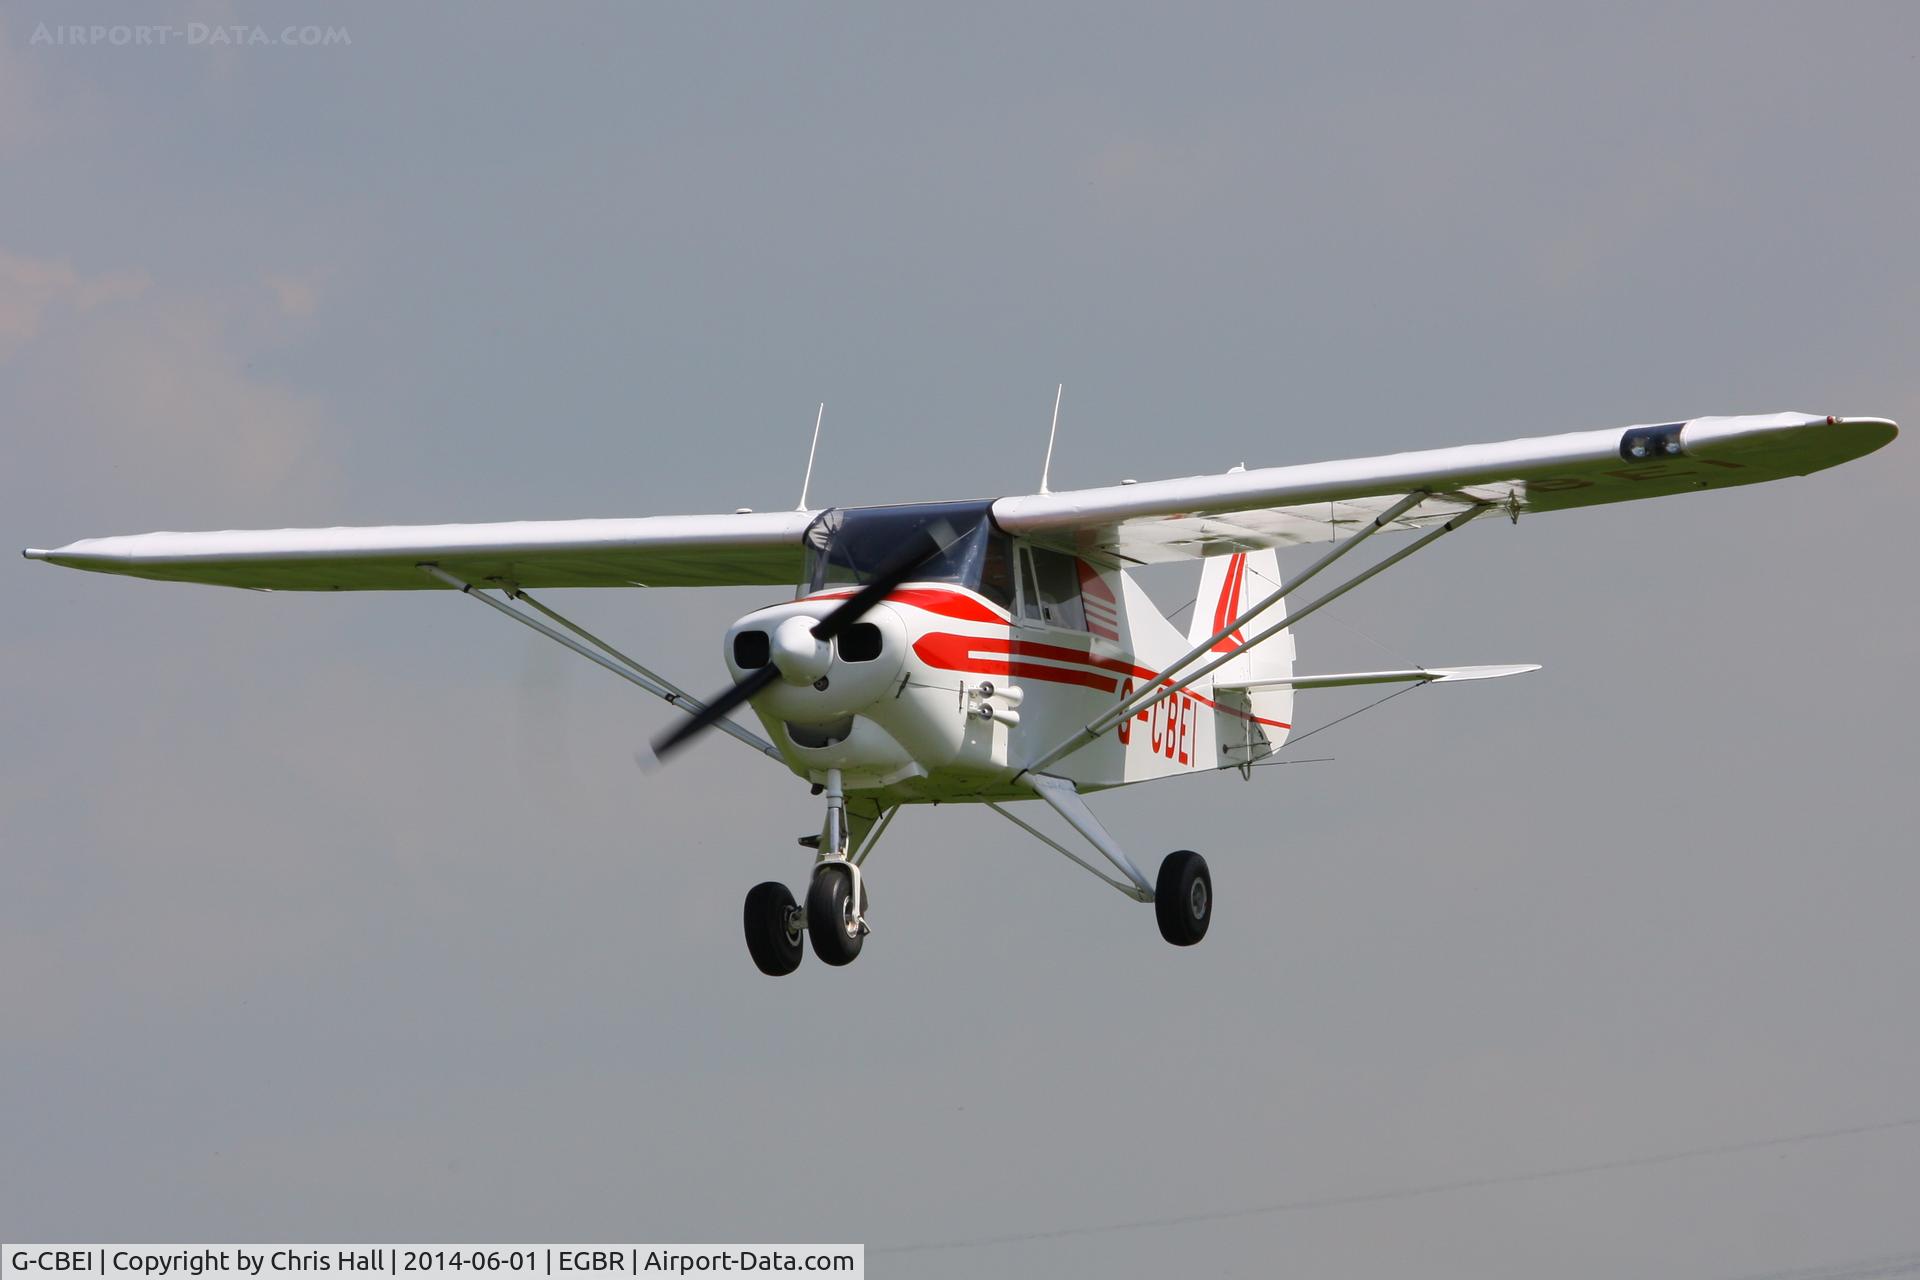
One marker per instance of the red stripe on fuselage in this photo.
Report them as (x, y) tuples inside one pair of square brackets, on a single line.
[(974, 655), (949, 651)]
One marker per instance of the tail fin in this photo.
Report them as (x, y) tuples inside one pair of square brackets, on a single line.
[(1251, 723)]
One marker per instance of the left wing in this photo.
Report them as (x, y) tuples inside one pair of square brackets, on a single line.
[(1325, 501), (749, 548)]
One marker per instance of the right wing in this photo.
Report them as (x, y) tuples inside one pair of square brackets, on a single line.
[(749, 548), (1164, 520)]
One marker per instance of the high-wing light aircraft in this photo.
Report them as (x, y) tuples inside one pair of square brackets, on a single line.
[(999, 650)]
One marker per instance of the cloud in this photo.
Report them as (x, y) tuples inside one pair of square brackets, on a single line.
[(297, 295), (30, 286), (1160, 175), (153, 392)]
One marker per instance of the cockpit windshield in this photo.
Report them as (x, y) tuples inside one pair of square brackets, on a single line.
[(848, 545)]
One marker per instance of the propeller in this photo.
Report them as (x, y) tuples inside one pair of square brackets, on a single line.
[(903, 565)]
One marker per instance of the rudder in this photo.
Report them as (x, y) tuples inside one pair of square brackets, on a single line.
[(1249, 723)]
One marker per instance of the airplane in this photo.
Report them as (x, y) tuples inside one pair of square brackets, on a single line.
[(1000, 651)]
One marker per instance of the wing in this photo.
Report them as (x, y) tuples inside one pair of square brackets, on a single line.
[(1158, 521), (655, 551), (1321, 502)]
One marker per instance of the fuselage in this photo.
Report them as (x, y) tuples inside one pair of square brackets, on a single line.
[(953, 686)]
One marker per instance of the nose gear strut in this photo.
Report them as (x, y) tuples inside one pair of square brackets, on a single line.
[(837, 896), (835, 915)]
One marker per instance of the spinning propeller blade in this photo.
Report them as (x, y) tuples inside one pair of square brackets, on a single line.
[(891, 574), (717, 709), (894, 572)]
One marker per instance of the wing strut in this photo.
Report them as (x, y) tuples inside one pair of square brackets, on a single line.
[(1162, 684), (607, 656)]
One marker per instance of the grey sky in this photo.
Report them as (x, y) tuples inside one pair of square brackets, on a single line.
[(350, 917)]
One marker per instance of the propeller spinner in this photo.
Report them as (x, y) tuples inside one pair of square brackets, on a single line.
[(803, 650)]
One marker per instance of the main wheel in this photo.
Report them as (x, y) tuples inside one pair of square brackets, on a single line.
[(1183, 898), (771, 937), (833, 922)]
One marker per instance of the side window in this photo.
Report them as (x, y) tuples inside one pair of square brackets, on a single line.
[(1050, 589), (996, 570), (1029, 587)]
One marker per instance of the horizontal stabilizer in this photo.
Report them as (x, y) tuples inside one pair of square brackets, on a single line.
[(1419, 675)]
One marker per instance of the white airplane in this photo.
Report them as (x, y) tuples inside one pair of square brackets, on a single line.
[(998, 650)]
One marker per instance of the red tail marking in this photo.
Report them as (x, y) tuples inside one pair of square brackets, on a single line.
[(1228, 607)]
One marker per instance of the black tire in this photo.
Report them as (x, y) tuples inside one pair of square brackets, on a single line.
[(1183, 898), (775, 948), (832, 924)]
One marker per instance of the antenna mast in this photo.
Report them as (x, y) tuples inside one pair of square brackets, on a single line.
[(1046, 467), (807, 483)]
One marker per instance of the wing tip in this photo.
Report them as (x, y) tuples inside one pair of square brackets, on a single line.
[(1883, 430)]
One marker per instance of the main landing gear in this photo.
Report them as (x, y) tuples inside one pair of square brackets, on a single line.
[(1182, 894), (774, 925), (834, 917), (1183, 898)]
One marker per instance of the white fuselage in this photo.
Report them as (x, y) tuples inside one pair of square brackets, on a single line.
[(960, 695)]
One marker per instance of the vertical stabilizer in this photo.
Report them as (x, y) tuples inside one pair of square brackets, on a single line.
[(1253, 723)]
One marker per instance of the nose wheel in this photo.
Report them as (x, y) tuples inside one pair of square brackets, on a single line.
[(834, 902), (833, 920)]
